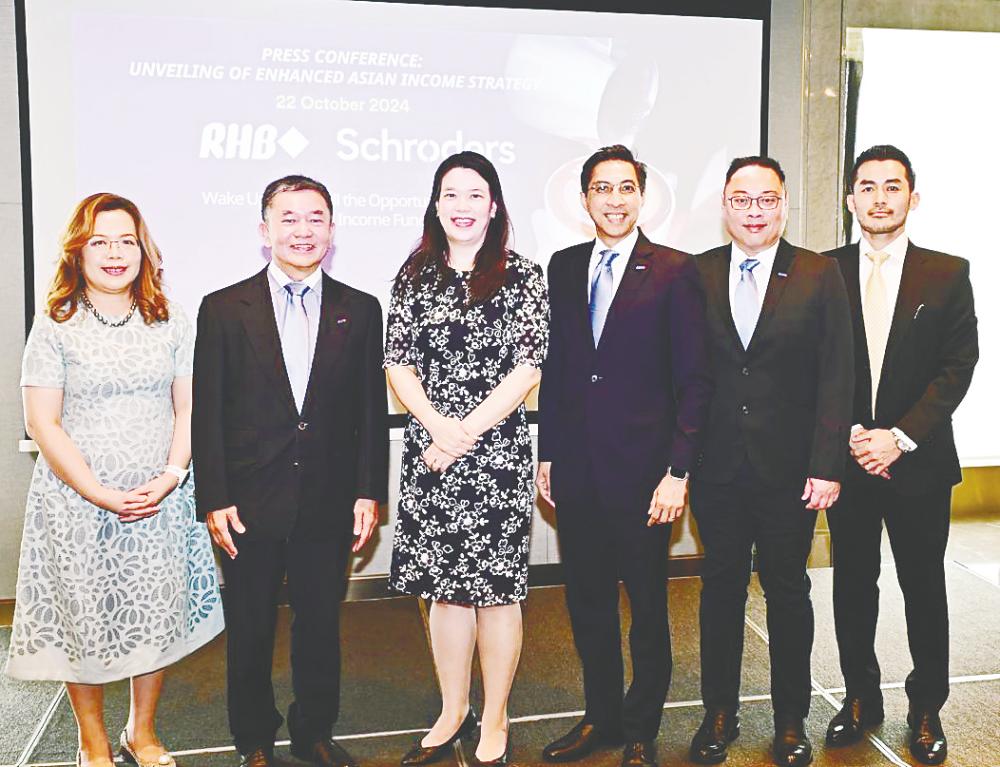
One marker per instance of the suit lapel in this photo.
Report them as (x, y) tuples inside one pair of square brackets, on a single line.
[(717, 288), (636, 269), (579, 290), (262, 331), (334, 324), (907, 302), (850, 269), (784, 262)]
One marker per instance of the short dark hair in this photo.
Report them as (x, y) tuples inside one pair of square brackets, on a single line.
[(293, 183), (758, 159), (613, 152), (883, 152)]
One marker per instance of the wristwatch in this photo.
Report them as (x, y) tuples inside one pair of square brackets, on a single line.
[(178, 472), (675, 474)]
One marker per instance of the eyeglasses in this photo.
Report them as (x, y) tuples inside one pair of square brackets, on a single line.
[(103, 244), (603, 188), (744, 201)]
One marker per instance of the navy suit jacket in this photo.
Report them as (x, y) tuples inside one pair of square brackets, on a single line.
[(929, 358), (623, 413)]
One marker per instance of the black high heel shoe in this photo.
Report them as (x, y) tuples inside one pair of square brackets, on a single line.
[(501, 761), (419, 755)]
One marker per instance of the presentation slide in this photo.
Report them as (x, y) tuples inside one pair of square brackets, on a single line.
[(190, 109), (938, 112)]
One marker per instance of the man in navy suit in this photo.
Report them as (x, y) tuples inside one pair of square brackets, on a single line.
[(916, 344), (782, 360), (622, 406)]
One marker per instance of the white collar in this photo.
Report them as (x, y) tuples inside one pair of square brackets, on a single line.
[(624, 247), (896, 249), (312, 281)]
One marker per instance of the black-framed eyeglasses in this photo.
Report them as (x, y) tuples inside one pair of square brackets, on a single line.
[(744, 201), (604, 188)]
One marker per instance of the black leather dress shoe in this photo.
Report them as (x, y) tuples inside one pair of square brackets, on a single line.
[(791, 747), (927, 741), (324, 753), (429, 754), (261, 757), (710, 743), (638, 754), (578, 742), (848, 725)]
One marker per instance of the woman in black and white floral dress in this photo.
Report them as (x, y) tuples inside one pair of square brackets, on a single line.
[(467, 334)]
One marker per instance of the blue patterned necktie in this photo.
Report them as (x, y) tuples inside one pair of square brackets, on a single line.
[(602, 290), (746, 302), (295, 340)]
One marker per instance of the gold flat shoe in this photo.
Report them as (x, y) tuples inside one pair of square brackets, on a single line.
[(131, 755)]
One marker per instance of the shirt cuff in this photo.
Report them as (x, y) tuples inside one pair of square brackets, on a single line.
[(901, 436)]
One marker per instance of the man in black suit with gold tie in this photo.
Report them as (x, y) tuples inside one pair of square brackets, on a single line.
[(291, 452), (915, 346), (623, 401), (773, 455)]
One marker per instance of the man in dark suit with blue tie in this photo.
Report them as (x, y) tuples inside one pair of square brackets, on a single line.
[(916, 345), (622, 406), (782, 360), (291, 452)]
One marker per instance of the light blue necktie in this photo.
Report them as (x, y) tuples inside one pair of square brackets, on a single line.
[(746, 302), (602, 290), (295, 340)]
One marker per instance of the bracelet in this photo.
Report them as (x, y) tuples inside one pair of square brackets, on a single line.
[(177, 471)]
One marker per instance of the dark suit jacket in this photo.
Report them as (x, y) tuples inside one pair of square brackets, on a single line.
[(932, 349), (623, 413), (784, 402), (251, 447)]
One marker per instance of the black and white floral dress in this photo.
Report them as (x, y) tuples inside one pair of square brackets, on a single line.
[(462, 535)]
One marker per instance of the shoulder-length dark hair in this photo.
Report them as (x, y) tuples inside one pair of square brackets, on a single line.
[(429, 257), (68, 282)]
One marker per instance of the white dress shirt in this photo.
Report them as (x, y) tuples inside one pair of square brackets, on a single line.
[(892, 275), (761, 272), (277, 280), (624, 250)]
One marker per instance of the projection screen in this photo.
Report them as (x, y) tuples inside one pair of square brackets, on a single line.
[(191, 108)]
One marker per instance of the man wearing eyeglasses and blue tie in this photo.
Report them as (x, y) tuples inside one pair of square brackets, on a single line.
[(623, 401), (773, 454), (291, 452)]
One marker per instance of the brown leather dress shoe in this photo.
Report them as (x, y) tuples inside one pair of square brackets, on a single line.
[(261, 757), (710, 743), (848, 725), (927, 741), (578, 742), (639, 754), (324, 753)]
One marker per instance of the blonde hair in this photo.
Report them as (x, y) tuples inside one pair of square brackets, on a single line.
[(68, 282)]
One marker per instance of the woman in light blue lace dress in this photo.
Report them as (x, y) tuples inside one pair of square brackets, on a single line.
[(116, 578)]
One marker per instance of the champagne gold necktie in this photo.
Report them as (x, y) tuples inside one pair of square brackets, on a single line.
[(875, 310)]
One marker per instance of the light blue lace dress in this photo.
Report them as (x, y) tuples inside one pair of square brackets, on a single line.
[(97, 599)]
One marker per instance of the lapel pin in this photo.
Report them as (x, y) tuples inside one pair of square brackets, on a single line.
[(341, 320), (782, 274), (640, 267), (917, 312)]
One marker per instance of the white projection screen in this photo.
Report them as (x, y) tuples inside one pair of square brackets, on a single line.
[(940, 107), (191, 108)]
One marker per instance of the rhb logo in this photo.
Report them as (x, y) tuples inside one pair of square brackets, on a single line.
[(236, 141)]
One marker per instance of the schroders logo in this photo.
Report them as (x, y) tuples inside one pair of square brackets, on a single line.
[(236, 141)]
